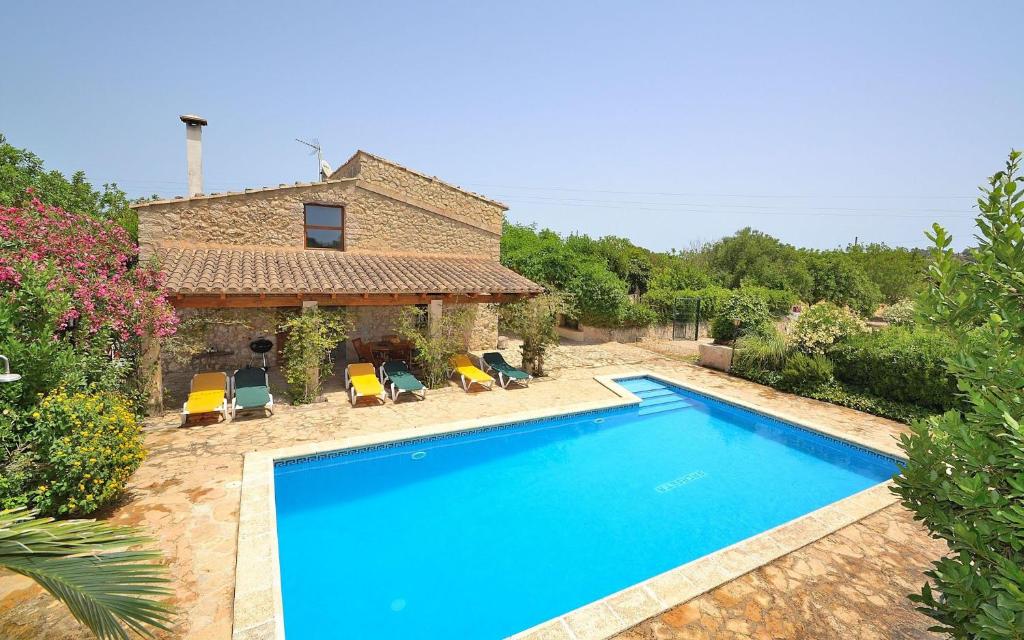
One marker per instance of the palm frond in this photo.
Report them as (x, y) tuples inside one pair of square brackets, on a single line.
[(83, 564)]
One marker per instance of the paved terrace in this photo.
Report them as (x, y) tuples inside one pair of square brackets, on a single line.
[(851, 583)]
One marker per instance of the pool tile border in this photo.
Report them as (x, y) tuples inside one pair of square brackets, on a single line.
[(258, 605)]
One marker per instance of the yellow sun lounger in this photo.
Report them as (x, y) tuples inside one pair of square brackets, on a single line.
[(207, 394), (361, 381), (469, 374)]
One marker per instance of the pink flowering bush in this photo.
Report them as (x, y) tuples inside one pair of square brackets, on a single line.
[(74, 305), (96, 263)]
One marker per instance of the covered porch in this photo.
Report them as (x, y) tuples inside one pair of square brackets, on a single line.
[(236, 295)]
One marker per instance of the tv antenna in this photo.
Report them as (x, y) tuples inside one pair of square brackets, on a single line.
[(322, 166)]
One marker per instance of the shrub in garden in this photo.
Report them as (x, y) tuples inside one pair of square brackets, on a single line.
[(312, 336), (823, 325), (780, 301), (88, 445), (666, 302), (766, 351), (95, 263), (803, 372), (600, 296), (964, 477), (845, 396), (761, 357), (435, 347), (899, 363), (535, 322), (900, 313), (743, 314), (637, 314)]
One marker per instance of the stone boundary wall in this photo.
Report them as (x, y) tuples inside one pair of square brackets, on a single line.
[(595, 335)]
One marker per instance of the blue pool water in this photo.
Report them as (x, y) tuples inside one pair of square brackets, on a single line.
[(486, 534)]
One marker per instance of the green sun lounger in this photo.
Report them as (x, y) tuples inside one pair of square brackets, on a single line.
[(401, 380), (507, 374), (252, 391)]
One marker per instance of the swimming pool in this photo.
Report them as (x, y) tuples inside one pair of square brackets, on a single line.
[(484, 534)]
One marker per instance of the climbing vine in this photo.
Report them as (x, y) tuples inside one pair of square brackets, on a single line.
[(312, 336)]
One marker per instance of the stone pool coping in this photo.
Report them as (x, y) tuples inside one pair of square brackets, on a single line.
[(258, 605)]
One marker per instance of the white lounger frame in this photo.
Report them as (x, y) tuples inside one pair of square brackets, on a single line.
[(507, 380), (385, 379), (353, 395)]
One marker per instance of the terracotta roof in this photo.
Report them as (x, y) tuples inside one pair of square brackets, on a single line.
[(275, 271)]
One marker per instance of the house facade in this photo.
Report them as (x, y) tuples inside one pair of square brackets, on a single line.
[(372, 237)]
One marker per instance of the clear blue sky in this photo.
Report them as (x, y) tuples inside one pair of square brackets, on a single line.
[(667, 123)]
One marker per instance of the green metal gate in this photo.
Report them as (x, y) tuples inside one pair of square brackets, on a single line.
[(686, 319)]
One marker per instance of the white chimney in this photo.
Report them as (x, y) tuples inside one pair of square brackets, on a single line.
[(194, 152)]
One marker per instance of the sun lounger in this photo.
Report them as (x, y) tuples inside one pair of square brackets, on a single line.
[(208, 393), (252, 390), (470, 374), (507, 374), (361, 382), (397, 374)]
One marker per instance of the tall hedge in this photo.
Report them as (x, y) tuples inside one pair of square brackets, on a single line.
[(902, 364)]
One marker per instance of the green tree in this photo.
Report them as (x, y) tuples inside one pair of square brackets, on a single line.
[(897, 272), (600, 296), (20, 169), (840, 280), (680, 274), (435, 345), (755, 258), (535, 322), (964, 477), (82, 563)]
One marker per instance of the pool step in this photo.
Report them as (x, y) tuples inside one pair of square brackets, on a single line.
[(679, 403), (660, 400), (654, 393), (641, 384)]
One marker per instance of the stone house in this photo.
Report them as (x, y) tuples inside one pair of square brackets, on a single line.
[(372, 236)]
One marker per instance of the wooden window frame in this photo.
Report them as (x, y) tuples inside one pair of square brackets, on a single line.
[(306, 226)]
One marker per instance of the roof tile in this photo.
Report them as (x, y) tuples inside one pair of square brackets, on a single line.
[(271, 270)]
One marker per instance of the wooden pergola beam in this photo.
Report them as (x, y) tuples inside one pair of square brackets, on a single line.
[(264, 300)]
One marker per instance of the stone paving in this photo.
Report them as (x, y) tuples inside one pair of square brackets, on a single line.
[(849, 584)]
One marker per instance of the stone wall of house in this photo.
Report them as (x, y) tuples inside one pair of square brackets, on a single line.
[(229, 333), (379, 223), (370, 324), (227, 337), (373, 222), (483, 329), (273, 217), (426, 189)]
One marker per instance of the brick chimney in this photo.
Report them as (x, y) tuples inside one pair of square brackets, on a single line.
[(194, 152)]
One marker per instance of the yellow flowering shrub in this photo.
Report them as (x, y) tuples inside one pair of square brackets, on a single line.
[(89, 444)]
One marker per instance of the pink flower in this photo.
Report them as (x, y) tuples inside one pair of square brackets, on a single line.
[(93, 261)]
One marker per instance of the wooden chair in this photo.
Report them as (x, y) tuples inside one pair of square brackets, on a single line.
[(402, 351), (363, 350)]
